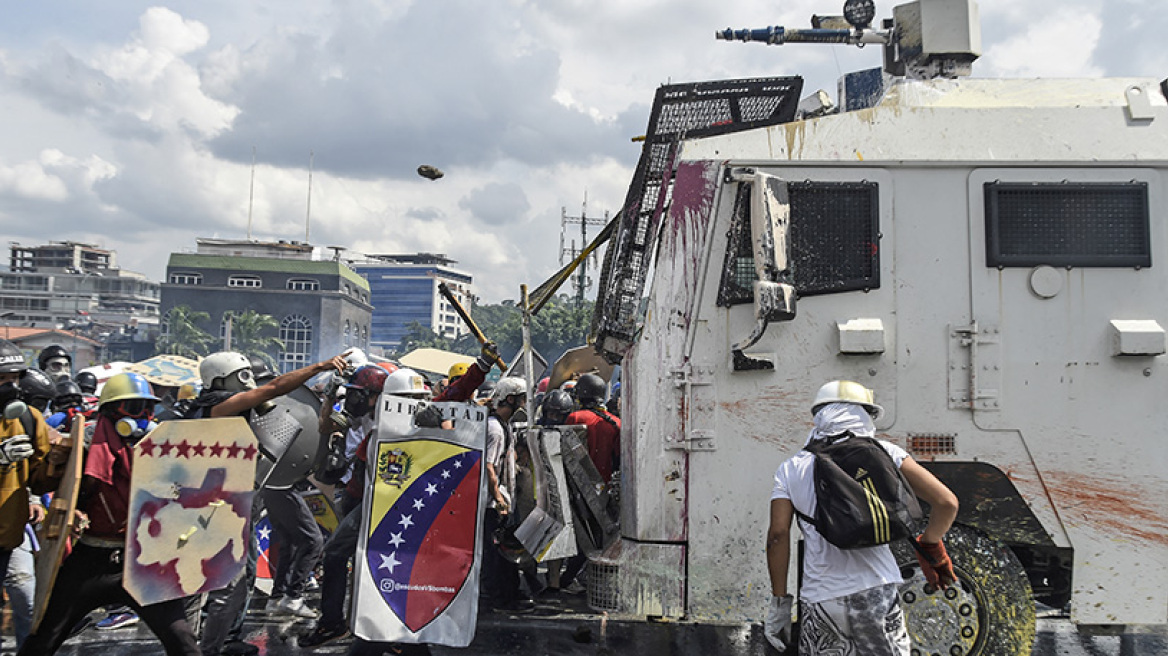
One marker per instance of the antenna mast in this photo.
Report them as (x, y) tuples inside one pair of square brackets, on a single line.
[(570, 253)]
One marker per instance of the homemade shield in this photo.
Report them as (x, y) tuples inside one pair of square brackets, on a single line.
[(54, 532), (417, 564), (167, 370), (577, 362), (289, 439), (190, 506)]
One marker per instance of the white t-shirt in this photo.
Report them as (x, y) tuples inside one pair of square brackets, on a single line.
[(501, 455), (828, 571)]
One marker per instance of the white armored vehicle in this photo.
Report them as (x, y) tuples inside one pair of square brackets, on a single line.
[(988, 255)]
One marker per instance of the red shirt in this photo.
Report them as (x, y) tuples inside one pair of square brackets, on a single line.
[(108, 463), (603, 439)]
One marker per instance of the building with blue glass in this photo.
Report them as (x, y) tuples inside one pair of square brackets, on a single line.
[(403, 288)]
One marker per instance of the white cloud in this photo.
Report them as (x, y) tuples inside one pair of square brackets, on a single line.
[(1061, 45)]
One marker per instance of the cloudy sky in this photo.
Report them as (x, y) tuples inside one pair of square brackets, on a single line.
[(133, 124)]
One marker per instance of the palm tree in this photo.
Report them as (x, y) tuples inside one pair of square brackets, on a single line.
[(248, 336), (182, 334)]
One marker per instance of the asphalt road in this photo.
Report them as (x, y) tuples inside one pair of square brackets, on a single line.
[(567, 629)]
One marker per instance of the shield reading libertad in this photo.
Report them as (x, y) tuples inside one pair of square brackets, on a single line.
[(190, 506)]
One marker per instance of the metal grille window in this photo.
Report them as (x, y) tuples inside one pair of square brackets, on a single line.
[(303, 284), (1099, 224), (296, 333), (244, 281), (835, 236), (186, 278)]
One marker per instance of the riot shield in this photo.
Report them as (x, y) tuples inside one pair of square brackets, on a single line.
[(289, 439), (190, 508), (55, 530)]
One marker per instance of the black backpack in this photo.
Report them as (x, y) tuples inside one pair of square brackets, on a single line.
[(862, 498)]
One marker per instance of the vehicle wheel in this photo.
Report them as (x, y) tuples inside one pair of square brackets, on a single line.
[(990, 612)]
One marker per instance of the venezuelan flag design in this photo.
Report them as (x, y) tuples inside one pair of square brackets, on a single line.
[(423, 525)]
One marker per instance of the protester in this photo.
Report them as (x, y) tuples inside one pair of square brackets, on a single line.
[(603, 428), (37, 390), (848, 598), (229, 389), (91, 576), (56, 362), (500, 575), (361, 394)]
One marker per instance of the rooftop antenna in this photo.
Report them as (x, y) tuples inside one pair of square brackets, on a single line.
[(308, 212), (251, 192)]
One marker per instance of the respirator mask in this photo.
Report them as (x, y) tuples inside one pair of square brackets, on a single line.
[(356, 403), (134, 429), (10, 403)]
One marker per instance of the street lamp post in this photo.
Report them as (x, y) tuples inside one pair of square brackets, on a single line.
[(6, 316)]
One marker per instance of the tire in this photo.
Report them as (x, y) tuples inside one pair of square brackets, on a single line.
[(990, 613)]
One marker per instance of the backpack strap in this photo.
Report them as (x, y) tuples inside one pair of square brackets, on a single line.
[(605, 416)]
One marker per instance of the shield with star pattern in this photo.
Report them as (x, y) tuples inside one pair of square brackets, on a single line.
[(418, 557), (190, 508)]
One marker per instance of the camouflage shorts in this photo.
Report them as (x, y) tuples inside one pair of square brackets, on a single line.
[(867, 623)]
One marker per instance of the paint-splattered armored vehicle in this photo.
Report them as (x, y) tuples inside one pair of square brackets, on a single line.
[(988, 255)]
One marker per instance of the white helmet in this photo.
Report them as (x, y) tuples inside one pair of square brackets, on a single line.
[(509, 386), (221, 365), (845, 391), (406, 382)]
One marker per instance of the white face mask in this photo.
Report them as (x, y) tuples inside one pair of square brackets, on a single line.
[(239, 381), (58, 368)]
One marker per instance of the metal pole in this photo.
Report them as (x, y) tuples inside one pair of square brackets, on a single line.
[(527, 359)]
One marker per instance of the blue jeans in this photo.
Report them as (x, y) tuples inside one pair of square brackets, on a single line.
[(20, 584)]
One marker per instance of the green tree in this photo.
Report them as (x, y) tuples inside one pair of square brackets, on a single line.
[(254, 334), (418, 336), (182, 334)]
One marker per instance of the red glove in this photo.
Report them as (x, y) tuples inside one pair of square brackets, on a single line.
[(935, 563)]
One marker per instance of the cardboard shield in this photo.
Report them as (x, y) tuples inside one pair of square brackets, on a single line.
[(577, 362), (289, 439), (417, 571), (55, 530), (190, 508)]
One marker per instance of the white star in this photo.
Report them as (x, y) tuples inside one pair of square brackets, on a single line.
[(389, 562), (445, 473), (419, 504), (406, 521), (395, 539), (458, 464), (265, 533), (431, 489)]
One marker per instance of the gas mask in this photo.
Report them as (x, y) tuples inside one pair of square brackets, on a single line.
[(133, 429), (58, 368), (356, 403), (238, 381), (10, 404)]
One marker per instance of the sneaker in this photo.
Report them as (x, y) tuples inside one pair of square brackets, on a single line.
[(238, 648), (322, 634), (575, 588), (296, 607), (117, 621), (518, 606)]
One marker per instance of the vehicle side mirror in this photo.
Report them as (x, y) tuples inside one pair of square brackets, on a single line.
[(774, 293)]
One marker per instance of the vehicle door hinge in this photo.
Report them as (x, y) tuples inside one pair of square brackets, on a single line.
[(694, 385), (975, 371)]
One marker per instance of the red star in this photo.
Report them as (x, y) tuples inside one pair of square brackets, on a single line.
[(147, 448), (233, 450), (217, 450), (250, 451), (199, 449), (182, 450), (164, 448)]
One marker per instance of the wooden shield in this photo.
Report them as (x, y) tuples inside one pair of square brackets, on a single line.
[(190, 508), (58, 524)]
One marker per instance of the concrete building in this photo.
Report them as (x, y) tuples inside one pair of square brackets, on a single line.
[(404, 289), (322, 306), (76, 286)]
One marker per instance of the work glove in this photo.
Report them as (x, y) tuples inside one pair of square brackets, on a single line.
[(15, 449), (488, 355), (935, 563), (778, 622)]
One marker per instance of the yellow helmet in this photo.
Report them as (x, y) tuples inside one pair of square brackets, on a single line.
[(457, 369), (188, 391), (125, 386), (845, 391)]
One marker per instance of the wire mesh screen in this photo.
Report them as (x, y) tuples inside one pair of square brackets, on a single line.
[(835, 237), (1067, 224), (680, 111)]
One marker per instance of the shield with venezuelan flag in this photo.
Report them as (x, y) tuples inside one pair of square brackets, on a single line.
[(418, 556)]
